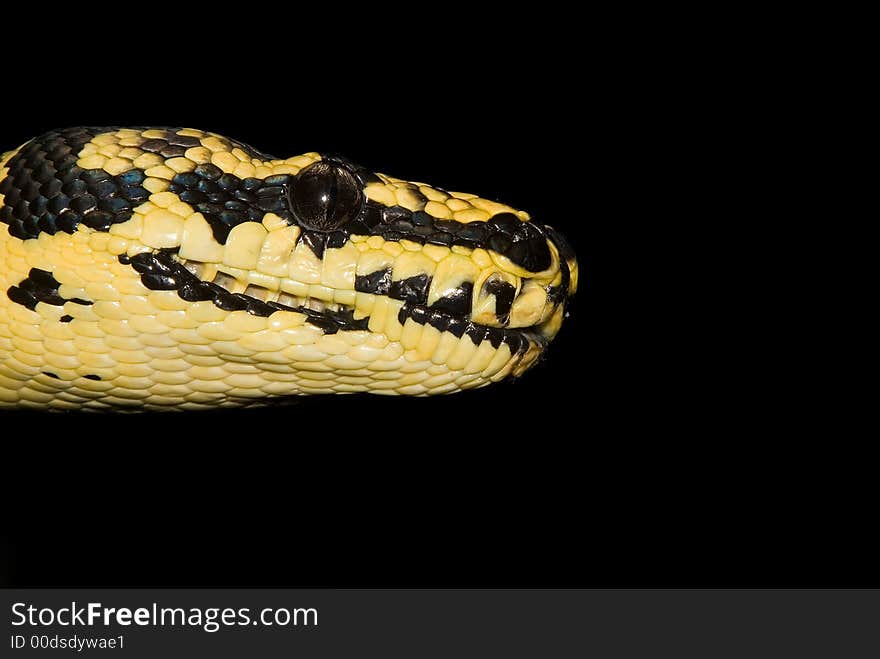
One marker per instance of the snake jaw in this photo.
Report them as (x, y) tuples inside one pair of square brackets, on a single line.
[(190, 270)]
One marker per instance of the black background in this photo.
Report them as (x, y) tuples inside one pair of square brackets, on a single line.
[(643, 451)]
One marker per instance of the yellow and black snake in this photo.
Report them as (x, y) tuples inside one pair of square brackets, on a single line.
[(164, 268)]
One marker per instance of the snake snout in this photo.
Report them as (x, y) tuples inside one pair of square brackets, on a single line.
[(533, 280)]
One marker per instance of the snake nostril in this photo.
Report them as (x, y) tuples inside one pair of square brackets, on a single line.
[(493, 299), (504, 294)]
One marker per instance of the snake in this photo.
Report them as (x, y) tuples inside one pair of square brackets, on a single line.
[(173, 268)]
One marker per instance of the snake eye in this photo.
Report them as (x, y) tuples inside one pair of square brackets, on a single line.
[(325, 196)]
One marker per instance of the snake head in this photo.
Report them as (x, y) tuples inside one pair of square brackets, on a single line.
[(194, 270), (458, 263)]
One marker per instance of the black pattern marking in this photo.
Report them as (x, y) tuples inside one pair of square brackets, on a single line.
[(22, 297), (315, 241), (160, 271), (457, 302), (566, 254), (378, 282), (46, 191), (413, 289), (92, 377), (524, 243), (40, 286), (559, 294), (517, 340), (227, 201)]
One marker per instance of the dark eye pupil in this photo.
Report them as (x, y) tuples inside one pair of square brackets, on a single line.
[(325, 196)]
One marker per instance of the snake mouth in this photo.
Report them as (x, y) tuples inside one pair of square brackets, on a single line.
[(231, 290), (334, 315), (426, 298)]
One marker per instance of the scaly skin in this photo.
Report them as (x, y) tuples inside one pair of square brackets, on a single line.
[(108, 235)]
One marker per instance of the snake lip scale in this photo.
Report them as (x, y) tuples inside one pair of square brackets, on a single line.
[(174, 268)]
